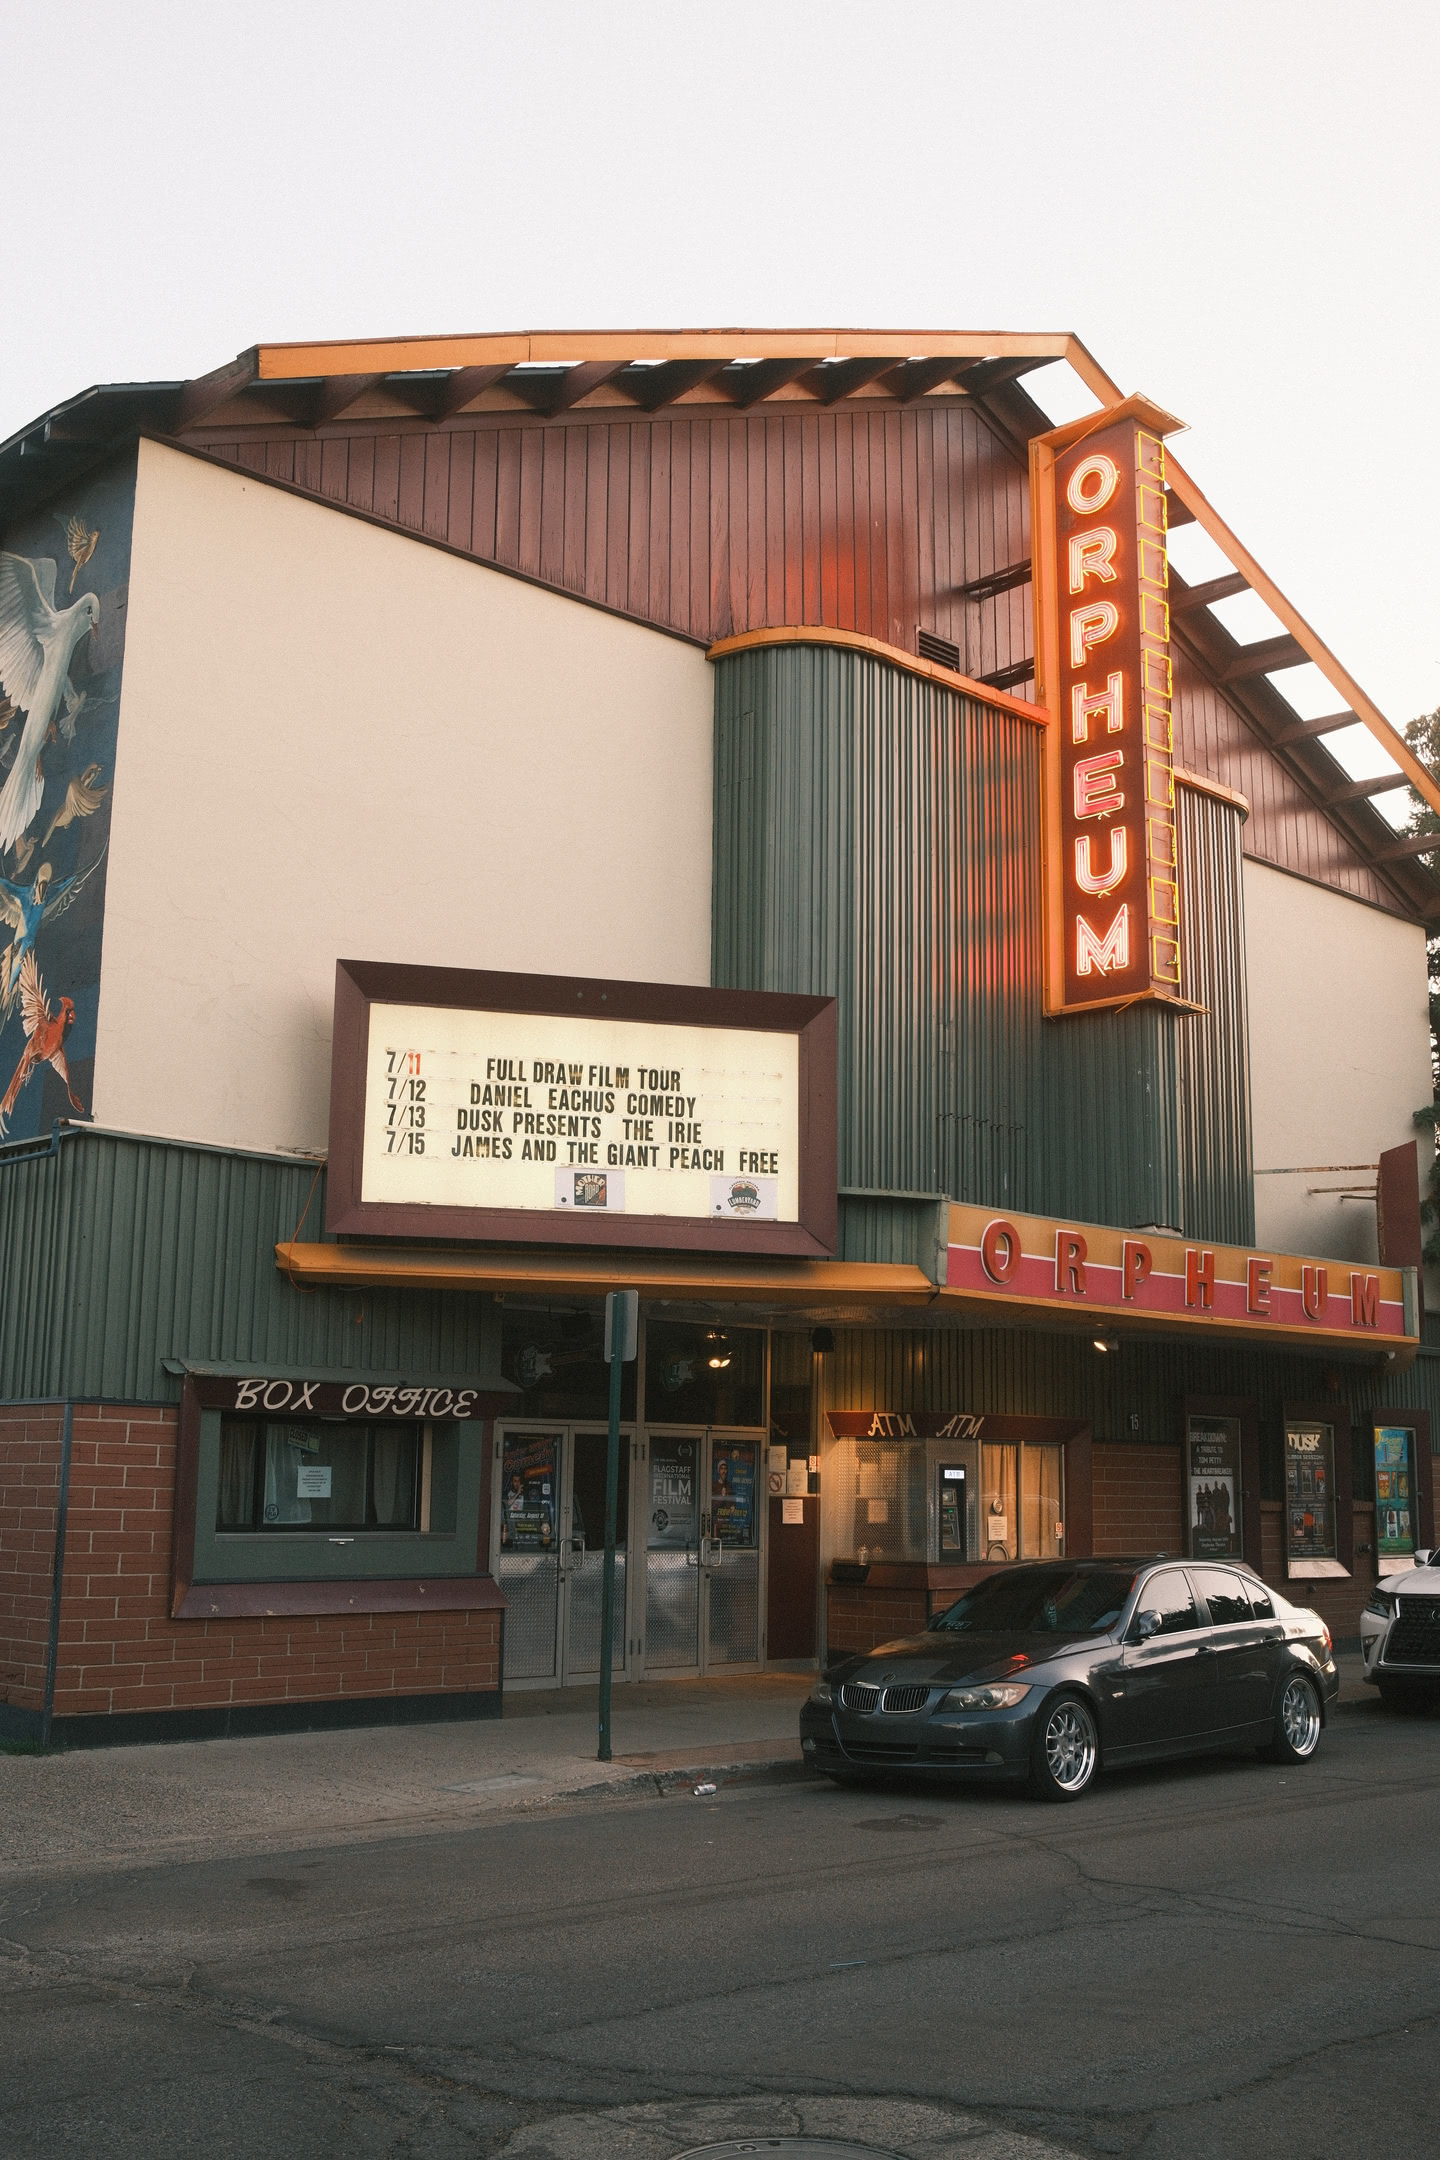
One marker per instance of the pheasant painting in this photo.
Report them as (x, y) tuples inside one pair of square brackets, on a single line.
[(45, 1034), (82, 544)]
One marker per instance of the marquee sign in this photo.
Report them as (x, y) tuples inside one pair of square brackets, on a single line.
[(1097, 1273), (1102, 659), (564, 1110)]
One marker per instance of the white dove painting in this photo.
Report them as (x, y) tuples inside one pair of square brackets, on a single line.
[(37, 641)]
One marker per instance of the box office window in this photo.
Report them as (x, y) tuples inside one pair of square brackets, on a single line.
[(279, 1476), (296, 1499)]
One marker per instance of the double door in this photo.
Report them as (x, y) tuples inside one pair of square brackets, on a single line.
[(688, 1581), (703, 1558), (548, 1538)]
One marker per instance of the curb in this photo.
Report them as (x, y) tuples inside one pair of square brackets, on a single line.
[(779, 1769)]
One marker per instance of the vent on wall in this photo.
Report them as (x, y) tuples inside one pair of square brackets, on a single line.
[(938, 649)]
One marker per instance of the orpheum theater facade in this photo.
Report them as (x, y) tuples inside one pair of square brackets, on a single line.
[(769, 820)]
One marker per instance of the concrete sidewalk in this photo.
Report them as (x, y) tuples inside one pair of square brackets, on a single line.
[(101, 1807), (104, 1807)]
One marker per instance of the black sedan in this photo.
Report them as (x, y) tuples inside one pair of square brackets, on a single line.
[(1052, 1671)]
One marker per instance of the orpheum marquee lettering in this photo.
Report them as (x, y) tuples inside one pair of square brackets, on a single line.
[(1103, 670)]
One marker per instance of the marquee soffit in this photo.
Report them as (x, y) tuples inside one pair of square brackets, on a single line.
[(314, 386)]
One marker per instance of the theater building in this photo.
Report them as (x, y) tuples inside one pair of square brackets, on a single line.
[(790, 823)]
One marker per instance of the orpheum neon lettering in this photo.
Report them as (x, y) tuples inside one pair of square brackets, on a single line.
[(1314, 1291), (1070, 1255), (1087, 877), (1200, 1279), (1365, 1301), (1104, 951), (1092, 555), (1092, 484), (1000, 1250), (1087, 705), (1095, 791), (1136, 1262), (1091, 625)]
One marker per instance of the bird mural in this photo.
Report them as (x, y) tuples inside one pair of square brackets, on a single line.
[(26, 909), (82, 544), (37, 642), (83, 798), (45, 1033)]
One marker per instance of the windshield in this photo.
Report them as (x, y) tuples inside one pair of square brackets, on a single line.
[(1043, 1601)]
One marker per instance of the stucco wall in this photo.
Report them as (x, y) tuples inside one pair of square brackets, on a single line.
[(340, 742), (1340, 1056)]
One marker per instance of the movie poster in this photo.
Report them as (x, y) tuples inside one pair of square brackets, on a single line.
[(1213, 1488), (530, 1482), (1309, 1492), (674, 1492), (732, 1493), (1394, 1518)]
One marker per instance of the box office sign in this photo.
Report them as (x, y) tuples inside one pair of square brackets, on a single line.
[(1094, 1272), (569, 1110), (262, 1395), (1102, 646)]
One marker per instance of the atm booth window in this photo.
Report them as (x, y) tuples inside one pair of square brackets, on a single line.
[(936, 1501)]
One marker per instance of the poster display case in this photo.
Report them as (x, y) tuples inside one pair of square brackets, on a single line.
[(1395, 1497), (1311, 1522), (1213, 1502)]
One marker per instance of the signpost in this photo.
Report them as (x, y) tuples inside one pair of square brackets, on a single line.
[(622, 1328)]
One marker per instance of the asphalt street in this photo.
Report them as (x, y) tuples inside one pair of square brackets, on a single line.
[(1222, 1958)]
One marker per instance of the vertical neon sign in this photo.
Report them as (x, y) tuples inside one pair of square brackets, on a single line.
[(1102, 658)]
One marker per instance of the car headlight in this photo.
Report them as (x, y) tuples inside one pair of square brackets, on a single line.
[(1382, 1604), (822, 1692), (986, 1698)]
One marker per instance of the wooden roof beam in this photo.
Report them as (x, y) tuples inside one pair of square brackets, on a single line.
[(978, 376), (913, 378), (335, 394), (997, 581), (1362, 790), (832, 380), (1417, 844), (1185, 599), (555, 393), (205, 394), (1266, 658), (440, 396), (747, 384), (1306, 730), (661, 384)]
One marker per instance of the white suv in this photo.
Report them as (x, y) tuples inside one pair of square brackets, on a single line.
[(1400, 1633)]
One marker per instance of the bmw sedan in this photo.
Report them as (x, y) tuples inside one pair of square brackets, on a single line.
[(1400, 1635), (1053, 1671)]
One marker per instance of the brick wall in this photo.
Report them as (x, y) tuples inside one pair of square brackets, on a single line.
[(29, 1501), (121, 1652), (859, 1617), (1137, 1499)]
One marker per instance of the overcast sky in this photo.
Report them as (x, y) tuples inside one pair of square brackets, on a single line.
[(1233, 205)]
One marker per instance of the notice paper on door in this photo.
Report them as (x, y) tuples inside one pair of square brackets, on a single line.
[(777, 1458), (792, 1511), (797, 1478)]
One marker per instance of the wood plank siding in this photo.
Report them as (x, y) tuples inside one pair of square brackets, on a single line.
[(708, 521)]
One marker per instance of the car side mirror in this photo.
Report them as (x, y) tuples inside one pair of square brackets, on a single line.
[(1146, 1625), (1424, 1557)]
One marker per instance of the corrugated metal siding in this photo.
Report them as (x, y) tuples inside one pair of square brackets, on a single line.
[(1023, 1374), (878, 840), (1217, 1163), (117, 1253)]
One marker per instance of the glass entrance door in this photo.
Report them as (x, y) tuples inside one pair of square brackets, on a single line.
[(549, 1547), (702, 1560)]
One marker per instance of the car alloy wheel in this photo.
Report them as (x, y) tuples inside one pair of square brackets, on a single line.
[(1066, 1751), (1297, 1722)]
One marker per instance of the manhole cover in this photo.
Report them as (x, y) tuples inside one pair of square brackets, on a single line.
[(821, 2148)]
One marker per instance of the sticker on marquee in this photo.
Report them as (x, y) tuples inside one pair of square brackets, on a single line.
[(747, 1199), (591, 1192)]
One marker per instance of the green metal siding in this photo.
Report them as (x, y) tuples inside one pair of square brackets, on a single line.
[(117, 1253), (877, 839)]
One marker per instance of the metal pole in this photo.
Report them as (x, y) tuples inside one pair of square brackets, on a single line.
[(607, 1581)]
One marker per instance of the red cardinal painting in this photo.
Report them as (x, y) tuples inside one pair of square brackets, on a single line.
[(45, 1032)]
